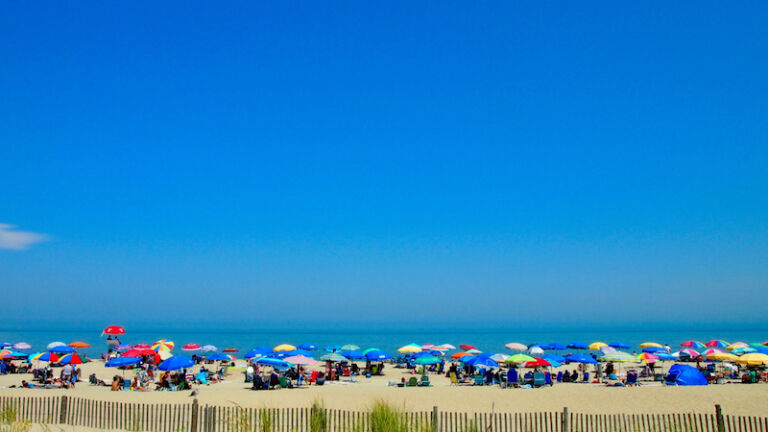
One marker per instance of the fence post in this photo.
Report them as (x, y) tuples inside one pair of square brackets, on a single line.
[(564, 426), (195, 414), (63, 409), (434, 419), (719, 418)]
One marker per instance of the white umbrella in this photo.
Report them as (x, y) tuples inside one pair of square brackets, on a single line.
[(536, 350), (448, 346), (53, 345), (516, 346), (208, 348), (499, 358), (21, 346)]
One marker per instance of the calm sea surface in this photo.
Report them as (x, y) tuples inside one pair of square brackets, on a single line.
[(488, 341)]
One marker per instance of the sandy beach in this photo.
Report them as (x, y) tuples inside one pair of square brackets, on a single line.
[(736, 399)]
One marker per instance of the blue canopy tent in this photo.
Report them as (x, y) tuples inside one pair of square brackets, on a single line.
[(684, 375)]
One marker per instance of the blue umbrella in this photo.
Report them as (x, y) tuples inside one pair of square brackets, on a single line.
[(581, 358), (175, 363), (333, 348), (45, 357), (427, 360), (307, 346), (554, 347), (377, 355), (553, 363), (277, 363), (619, 345), (482, 362), (762, 350), (280, 354), (122, 361), (15, 355), (653, 349), (218, 356), (305, 353), (554, 357), (664, 356), (258, 352), (62, 349), (577, 345), (353, 354)]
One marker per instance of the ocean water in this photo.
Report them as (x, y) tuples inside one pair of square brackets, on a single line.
[(485, 340)]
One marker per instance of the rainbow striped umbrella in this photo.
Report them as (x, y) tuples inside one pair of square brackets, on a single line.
[(163, 345), (647, 357), (717, 343), (693, 344), (735, 345), (689, 352)]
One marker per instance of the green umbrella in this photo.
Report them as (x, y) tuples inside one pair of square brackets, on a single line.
[(350, 347), (519, 358), (370, 349), (427, 360), (334, 357)]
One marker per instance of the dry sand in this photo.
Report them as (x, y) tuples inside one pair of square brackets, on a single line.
[(587, 398)]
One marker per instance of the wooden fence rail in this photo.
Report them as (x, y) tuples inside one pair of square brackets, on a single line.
[(169, 417)]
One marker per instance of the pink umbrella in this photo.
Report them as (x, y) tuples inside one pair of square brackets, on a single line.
[(191, 347), (300, 360), (689, 352)]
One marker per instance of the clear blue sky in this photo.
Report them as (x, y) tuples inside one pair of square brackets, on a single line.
[(501, 164)]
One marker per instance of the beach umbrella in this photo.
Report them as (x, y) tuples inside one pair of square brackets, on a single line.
[(8, 354), (335, 347), (219, 357), (474, 351), (619, 345), (735, 345), (142, 346), (409, 349), (122, 361), (467, 347), (722, 356), (484, 362), (350, 347), (175, 363), (283, 347), (142, 353), (754, 359), (79, 344), (554, 357), (52, 345), (191, 347), (377, 355), (581, 358), (619, 357), (427, 360), (554, 347), (743, 350), (654, 349), (650, 345), (72, 358), (353, 354), (459, 355), (427, 347), (536, 350), (62, 349), (577, 345), (233, 350), (537, 362), (123, 347), (113, 330), (22, 346), (299, 351), (756, 345), (163, 345), (717, 343), (693, 344), (334, 357), (596, 346), (47, 357), (308, 347), (519, 358), (647, 357), (451, 347), (711, 351), (208, 348), (258, 352), (516, 346), (499, 357), (663, 355), (367, 350), (300, 360), (275, 363)]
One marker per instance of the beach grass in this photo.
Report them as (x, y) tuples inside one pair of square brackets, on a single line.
[(9, 421)]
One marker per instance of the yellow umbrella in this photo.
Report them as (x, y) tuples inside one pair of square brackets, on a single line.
[(283, 347), (753, 359), (722, 356), (650, 345), (597, 345), (409, 349), (733, 346)]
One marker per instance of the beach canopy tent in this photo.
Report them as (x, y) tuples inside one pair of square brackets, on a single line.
[(581, 358), (377, 355), (308, 347), (577, 345), (619, 345), (684, 375), (113, 330), (176, 363), (122, 361)]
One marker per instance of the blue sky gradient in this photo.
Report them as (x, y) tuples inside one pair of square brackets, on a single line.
[(540, 164)]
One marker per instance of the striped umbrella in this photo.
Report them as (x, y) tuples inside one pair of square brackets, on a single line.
[(689, 353), (163, 345), (72, 358), (191, 347), (693, 344), (735, 345), (717, 343), (619, 357)]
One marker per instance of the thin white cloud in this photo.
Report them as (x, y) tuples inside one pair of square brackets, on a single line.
[(10, 238)]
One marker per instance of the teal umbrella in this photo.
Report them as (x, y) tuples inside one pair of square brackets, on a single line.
[(334, 357), (427, 360), (350, 347)]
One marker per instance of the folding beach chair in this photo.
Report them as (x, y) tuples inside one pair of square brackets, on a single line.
[(424, 381), (413, 382), (539, 380)]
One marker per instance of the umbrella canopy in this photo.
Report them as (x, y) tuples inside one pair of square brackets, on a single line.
[(711, 351), (54, 345), (735, 345), (22, 346), (554, 357), (283, 347), (459, 355), (516, 346), (409, 349), (553, 347), (308, 347), (581, 358), (122, 361), (663, 355), (619, 357), (142, 353), (229, 350), (62, 349), (142, 346), (48, 357), (176, 363), (220, 356), (123, 347), (466, 347), (377, 355), (8, 354), (350, 347), (647, 357), (536, 350), (335, 347), (258, 352), (499, 357), (754, 359), (276, 363), (485, 362), (451, 347), (537, 362), (334, 357), (650, 345), (577, 345), (113, 330), (743, 350), (519, 358), (79, 344), (72, 358), (717, 343), (191, 347), (208, 348), (163, 345), (693, 344), (619, 345), (299, 351), (427, 360), (653, 349), (722, 356), (353, 354), (300, 360), (596, 346)]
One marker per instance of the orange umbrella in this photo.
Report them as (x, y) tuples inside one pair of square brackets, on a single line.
[(79, 344), (459, 355)]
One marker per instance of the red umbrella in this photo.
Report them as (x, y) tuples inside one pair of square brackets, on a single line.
[(229, 350), (142, 346), (191, 347), (114, 330), (141, 353), (538, 363), (466, 347)]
